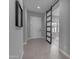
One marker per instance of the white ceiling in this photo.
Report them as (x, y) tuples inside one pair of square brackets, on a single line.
[(32, 5)]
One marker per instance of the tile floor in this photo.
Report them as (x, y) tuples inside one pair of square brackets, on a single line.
[(40, 49)]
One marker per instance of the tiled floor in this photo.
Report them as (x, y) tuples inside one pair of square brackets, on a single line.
[(40, 49)]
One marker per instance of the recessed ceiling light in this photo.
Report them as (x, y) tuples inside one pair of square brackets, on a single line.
[(38, 7)]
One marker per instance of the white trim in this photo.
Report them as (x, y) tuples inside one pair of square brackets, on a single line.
[(22, 54), (64, 53), (13, 57), (25, 43), (37, 38)]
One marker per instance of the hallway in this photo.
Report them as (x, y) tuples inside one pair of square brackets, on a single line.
[(40, 49), (44, 25)]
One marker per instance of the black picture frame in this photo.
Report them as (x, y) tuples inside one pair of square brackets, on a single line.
[(18, 14)]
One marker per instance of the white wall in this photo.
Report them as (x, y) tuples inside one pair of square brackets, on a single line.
[(15, 34), (64, 26)]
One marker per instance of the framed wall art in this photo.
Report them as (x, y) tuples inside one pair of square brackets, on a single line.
[(18, 15)]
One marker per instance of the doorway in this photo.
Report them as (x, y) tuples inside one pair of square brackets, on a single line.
[(35, 27)]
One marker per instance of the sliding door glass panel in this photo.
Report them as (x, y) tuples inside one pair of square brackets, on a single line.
[(49, 23), (49, 13), (48, 39), (48, 29), (48, 33), (49, 18)]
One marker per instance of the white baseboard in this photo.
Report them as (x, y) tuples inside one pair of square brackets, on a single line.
[(36, 38), (64, 53), (21, 52), (13, 57), (25, 43), (22, 55)]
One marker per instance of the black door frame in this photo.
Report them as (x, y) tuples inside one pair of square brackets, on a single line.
[(50, 10), (50, 42)]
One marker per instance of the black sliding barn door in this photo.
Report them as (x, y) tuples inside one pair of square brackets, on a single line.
[(49, 26), (50, 23)]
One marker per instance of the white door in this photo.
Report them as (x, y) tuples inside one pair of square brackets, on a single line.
[(35, 27)]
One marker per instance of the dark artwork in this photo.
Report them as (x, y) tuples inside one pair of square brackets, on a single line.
[(18, 15)]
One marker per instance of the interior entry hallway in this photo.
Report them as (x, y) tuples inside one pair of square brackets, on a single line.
[(40, 49), (26, 42)]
